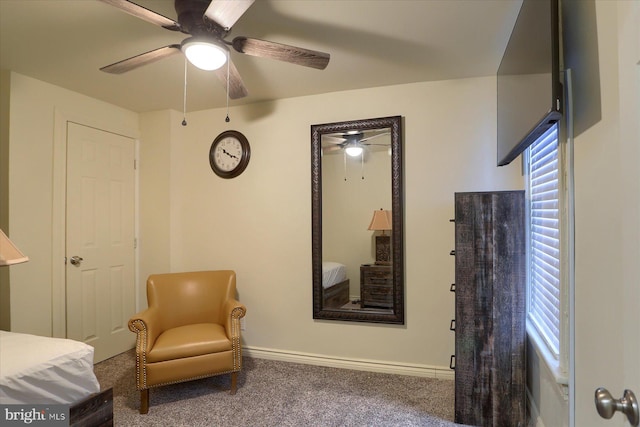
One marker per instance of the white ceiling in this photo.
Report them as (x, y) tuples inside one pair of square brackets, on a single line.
[(372, 43)]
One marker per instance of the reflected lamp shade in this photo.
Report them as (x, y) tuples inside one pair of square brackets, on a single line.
[(382, 221), (9, 253)]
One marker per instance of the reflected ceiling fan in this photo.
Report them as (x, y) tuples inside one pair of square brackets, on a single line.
[(208, 22), (353, 143)]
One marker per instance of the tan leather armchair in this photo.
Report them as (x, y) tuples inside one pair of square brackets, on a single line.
[(191, 330)]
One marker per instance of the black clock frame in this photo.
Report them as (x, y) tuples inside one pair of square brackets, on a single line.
[(244, 161)]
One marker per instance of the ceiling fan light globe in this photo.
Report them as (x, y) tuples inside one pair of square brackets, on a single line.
[(205, 55), (353, 151)]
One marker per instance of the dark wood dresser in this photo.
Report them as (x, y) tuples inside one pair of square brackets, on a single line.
[(376, 286), (490, 275)]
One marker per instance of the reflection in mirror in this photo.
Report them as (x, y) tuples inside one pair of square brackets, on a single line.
[(357, 205)]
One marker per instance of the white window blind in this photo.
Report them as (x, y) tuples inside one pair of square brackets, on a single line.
[(544, 226)]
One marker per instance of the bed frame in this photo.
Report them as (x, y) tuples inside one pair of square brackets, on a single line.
[(94, 411), (336, 296)]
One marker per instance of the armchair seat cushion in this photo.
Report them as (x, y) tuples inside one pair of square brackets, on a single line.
[(189, 341)]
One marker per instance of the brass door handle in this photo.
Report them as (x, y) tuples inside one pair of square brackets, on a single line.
[(76, 260)]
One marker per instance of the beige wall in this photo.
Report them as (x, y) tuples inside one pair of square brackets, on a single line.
[(37, 120), (259, 223), (154, 188)]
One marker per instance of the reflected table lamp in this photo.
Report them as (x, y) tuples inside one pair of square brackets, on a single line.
[(9, 253), (382, 221)]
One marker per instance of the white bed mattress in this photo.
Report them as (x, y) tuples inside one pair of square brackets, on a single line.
[(43, 370), (332, 273)]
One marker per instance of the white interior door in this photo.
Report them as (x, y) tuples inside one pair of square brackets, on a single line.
[(100, 285)]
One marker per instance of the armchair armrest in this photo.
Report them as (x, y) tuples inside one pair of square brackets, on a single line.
[(147, 326), (232, 312)]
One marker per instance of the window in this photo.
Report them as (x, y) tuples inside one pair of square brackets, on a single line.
[(546, 305)]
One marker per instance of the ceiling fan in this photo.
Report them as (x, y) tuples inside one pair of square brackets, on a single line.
[(208, 22), (353, 143)]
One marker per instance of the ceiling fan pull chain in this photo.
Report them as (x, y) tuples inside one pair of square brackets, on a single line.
[(344, 155), (184, 101), (227, 119), (362, 164)]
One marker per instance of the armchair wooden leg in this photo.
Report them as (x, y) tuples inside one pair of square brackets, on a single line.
[(234, 382), (144, 401)]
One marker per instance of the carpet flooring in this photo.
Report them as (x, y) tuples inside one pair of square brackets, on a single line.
[(275, 393)]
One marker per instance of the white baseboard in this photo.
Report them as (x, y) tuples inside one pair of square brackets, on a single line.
[(440, 372)]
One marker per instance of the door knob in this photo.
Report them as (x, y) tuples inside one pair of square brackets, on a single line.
[(76, 260), (607, 405)]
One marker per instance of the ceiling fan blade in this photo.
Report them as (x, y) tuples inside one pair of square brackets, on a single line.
[(144, 13), (281, 52), (330, 139), (375, 136), (142, 59), (226, 12), (331, 148), (236, 87)]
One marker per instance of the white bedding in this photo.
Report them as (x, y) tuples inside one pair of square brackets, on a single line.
[(332, 273), (43, 370)]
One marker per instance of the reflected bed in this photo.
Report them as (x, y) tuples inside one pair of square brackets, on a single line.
[(335, 285)]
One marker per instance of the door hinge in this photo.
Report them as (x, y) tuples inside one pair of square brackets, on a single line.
[(135, 243), (135, 164)]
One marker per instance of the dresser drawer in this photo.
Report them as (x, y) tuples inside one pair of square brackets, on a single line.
[(377, 277), (377, 296)]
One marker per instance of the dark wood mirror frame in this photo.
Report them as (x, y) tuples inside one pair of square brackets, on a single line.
[(395, 316)]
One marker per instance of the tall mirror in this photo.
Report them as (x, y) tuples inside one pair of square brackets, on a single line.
[(357, 220)]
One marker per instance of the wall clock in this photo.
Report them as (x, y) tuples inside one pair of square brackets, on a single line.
[(229, 154)]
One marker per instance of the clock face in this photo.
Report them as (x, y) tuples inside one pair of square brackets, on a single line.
[(229, 154)]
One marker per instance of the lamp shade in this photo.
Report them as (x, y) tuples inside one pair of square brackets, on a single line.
[(9, 253), (381, 220)]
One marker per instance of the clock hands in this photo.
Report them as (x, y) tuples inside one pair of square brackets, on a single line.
[(229, 154)]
